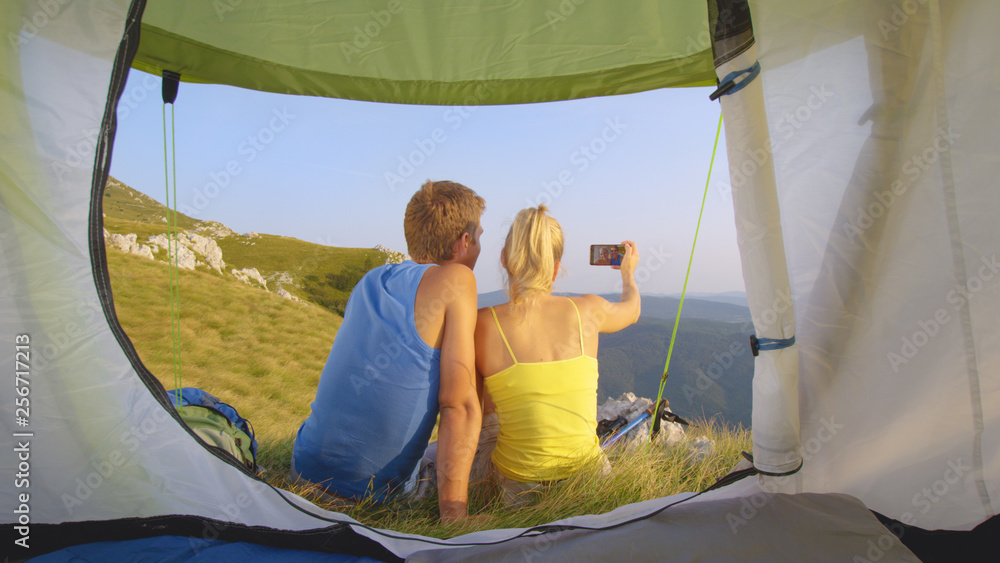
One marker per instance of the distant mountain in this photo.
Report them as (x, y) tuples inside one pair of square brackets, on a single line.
[(662, 307), (724, 307), (711, 369), (731, 297)]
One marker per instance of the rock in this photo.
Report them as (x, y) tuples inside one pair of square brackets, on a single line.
[(631, 407), (214, 229), (186, 258), (281, 278), (209, 249), (671, 433), (190, 246), (283, 293), (393, 257), (160, 241), (128, 243), (247, 274), (701, 448)]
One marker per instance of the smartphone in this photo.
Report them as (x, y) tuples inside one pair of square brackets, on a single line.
[(606, 254)]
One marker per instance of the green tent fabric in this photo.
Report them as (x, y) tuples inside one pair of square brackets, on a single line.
[(447, 53)]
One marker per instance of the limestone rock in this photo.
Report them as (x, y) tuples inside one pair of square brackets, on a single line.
[(701, 448), (631, 407), (214, 229), (128, 243), (282, 278), (283, 293), (393, 257), (189, 247), (208, 249), (247, 274), (186, 258)]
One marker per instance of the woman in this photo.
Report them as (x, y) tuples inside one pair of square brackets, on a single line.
[(537, 357)]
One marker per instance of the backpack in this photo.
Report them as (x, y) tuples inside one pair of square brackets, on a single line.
[(218, 424)]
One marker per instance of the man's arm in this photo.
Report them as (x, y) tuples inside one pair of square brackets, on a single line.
[(461, 417)]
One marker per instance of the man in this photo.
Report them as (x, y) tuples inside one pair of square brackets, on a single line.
[(404, 353)]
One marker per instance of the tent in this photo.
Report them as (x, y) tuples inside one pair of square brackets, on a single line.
[(860, 159)]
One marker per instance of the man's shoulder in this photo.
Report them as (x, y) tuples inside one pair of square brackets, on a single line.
[(457, 275)]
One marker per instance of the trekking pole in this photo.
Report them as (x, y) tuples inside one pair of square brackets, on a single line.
[(646, 414)]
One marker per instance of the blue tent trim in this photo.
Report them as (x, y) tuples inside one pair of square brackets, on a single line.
[(179, 548), (193, 531)]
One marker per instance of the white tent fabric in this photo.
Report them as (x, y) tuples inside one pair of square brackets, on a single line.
[(883, 145)]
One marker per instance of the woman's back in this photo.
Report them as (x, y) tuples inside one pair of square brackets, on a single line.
[(543, 330), (544, 387)]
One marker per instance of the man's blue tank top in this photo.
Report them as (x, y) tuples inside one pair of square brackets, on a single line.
[(377, 399)]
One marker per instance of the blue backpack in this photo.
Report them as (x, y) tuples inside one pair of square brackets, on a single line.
[(218, 424)]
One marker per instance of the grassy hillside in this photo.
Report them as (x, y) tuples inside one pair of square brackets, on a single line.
[(259, 352), (322, 275)]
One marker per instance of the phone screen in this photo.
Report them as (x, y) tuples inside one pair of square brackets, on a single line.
[(606, 254)]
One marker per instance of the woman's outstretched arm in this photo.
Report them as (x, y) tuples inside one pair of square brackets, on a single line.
[(612, 317)]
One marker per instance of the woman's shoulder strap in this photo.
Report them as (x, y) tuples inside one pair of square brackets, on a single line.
[(579, 320), (502, 336)]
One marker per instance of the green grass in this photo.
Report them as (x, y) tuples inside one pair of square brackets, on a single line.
[(259, 352), (644, 473), (263, 355)]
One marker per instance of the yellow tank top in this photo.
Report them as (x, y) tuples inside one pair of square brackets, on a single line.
[(547, 412)]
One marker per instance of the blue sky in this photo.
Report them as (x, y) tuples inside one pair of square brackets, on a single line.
[(340, 172)]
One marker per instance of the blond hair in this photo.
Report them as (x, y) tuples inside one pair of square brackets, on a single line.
[(436, 216), (533, 246)]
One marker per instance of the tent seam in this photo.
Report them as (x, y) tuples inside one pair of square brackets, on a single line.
[(959, 261)]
